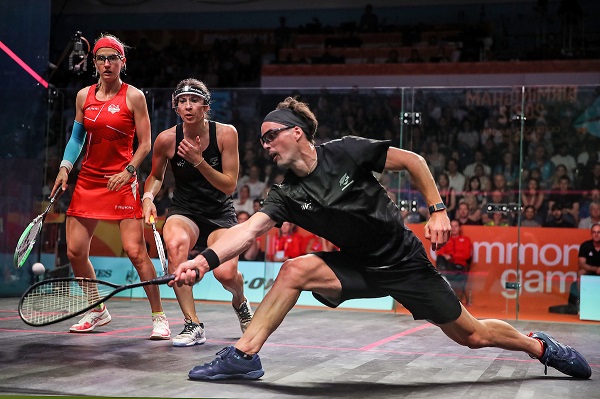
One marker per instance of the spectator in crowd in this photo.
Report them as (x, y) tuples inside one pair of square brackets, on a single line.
[(453, 260), (474, 207), (587, 199), (243, 201), (254, 251), (287, 243), (529, 218), (448, 194), (484, 179), (541, 162), (559, 172), (564, 158), (474, 188), (456, 180), (591, 181), (457, 251), (435, 159), (467, 140), (369, 22), (495, 197), (498, 219), (566, 199), (557, 219), (589, 154), (509, 169), (252, 180), (594, 218), (499, 184), (462, 215), (589, 254), (478, 160), (314, 243), (533, 196)]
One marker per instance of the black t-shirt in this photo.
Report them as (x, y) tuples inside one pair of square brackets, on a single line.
[(193, 193), (343, 202), (587, 251)]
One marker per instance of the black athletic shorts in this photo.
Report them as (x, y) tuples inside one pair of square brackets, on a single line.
[(414, 282), (205, 225)]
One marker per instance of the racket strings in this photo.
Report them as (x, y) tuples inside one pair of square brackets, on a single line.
[(28, 240), (56, 300)]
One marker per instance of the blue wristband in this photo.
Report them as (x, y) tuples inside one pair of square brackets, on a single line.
[(74, 145)]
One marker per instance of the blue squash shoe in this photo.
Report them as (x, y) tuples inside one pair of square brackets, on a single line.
[(228, 365), (562, 357)]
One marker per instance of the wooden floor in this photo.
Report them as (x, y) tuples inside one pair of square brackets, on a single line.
[(314, 354)]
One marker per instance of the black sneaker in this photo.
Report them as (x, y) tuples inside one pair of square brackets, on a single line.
[(228, 365), (562, 357)]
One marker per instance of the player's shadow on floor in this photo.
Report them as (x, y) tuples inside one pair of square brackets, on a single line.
[(375, 389)]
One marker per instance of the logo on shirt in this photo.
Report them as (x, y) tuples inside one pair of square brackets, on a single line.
[(180, 163), (214, 161), (345, 181), (113, 109), (306, 206)]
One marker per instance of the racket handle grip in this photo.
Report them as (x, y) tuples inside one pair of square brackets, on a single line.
[(151, 218), (168, 277)]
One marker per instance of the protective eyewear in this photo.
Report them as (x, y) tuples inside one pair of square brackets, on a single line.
[(101, 59), (272, 134)]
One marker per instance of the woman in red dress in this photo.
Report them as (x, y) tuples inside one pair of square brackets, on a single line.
[(109, 114)]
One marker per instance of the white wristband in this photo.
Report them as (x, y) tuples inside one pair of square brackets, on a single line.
[(66, 164), (148, 194)]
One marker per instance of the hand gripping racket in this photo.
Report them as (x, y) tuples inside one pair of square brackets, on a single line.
[(54, 300), (30, 234), (159, 246)]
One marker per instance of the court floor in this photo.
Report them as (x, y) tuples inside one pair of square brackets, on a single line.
[(316, 353)]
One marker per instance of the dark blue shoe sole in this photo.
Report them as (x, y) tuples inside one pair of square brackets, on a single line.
[(251, 375)]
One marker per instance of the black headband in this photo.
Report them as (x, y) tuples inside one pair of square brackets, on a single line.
[(287, 117)]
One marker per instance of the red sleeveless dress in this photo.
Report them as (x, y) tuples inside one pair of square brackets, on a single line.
[(110, 131)]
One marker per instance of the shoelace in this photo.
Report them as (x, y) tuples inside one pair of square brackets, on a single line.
[(244, 313), (189, 328)]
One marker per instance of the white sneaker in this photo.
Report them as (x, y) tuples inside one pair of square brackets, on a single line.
[(92, 319), (160, 327), (192, 334), (244, 314)]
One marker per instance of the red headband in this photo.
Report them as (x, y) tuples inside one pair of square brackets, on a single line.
[(110, 42)]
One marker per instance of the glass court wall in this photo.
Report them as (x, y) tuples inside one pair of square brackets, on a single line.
[(506, 159)]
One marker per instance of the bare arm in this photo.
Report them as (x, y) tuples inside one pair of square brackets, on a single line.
[(63, 173), (232, 243), (163, 149), (437, 229), (584, 268)]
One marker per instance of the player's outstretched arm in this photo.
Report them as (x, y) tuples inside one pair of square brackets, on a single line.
[(232, 243)]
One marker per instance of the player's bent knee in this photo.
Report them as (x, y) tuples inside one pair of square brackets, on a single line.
[(293, 273)]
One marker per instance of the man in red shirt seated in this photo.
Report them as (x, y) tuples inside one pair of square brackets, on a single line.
[(453, 259)]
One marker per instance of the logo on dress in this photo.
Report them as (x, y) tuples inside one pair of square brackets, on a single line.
[(113, 109), (345, 181), (180, 163)]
